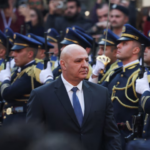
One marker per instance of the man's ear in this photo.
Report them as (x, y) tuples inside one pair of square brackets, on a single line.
[(2, 53), (136, 50), (126, 19), (30, 54), (114, 52), (62, 64)]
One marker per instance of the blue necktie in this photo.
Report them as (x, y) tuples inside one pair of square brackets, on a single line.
[(77, 106)]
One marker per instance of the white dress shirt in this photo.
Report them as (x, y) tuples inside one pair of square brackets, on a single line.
[(79, 92)]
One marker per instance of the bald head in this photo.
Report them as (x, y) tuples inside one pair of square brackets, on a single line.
[(74, 63), (70, 51)]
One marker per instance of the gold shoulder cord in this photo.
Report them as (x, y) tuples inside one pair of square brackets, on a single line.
[(128, 85), (111, 69)]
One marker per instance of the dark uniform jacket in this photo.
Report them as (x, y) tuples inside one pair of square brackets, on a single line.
[(50, 104), (145, 104), (121, 86), (17, 91)]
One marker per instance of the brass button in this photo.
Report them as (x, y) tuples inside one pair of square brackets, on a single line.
[(121, 75), (144, 123), (143, 131), (4, 117), (118, 82), (145, 139), (6, 103)]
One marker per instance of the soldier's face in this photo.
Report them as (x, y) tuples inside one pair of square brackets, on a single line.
[(22, 57), (55, 49), (108, 52), (147, 56), (40, 54), (125, 50)]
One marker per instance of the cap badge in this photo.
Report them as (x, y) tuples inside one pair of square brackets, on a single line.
[(49, 30), (14, 36), (67, 30), (124, 29)]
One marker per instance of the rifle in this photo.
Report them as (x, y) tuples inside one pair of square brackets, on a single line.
[(94, 51), (59, 45), (21, 29), (46, 52), (141, 74), (7, 58), (137, 120), (26, 29)]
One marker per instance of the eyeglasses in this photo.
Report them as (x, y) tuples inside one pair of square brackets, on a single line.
[(34, 3)]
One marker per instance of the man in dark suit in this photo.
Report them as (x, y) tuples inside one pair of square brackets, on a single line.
[(75, 106)]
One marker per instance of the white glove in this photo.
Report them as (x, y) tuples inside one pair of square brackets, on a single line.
[(6, 73), (99, 66), (142, 85), (46, 73)]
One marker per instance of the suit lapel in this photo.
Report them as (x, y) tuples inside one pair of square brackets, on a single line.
[(88, 100), (64, 99)]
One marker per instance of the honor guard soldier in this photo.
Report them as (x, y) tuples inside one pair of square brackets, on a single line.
[(121, 82), (110, 51), (90, 40), (71, 37), (16, 87), (41, 49), (142, 87), (3, 42), (53, 39)]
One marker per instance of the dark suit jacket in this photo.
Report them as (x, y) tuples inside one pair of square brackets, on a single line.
[(50, 104)]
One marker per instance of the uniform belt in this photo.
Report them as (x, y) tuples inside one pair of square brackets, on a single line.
[(14, 110)]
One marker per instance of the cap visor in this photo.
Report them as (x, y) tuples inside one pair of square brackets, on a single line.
[(17, 47), (125, 39), (50, 40), (66, 42), (103, 43)]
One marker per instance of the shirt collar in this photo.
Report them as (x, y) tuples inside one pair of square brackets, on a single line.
[(131, 63), (70, 86)]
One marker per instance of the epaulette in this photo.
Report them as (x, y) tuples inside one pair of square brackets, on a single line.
[(90, 72), (39, 60), (1, 61), (113, 68), (1, 64), (148, 74)]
